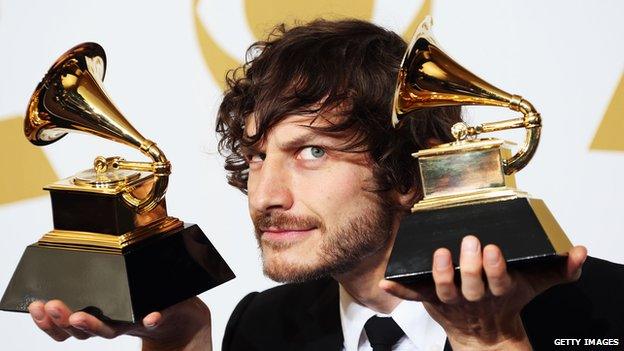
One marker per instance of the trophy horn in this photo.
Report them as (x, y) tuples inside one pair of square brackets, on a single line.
[(428, 77), (71, 98)]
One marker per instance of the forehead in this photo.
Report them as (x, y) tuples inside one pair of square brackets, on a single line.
[(291, 123)]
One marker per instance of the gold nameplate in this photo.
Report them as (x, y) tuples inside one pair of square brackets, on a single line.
[(464, 172)]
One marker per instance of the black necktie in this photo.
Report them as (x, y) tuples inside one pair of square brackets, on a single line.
[(382, 332)]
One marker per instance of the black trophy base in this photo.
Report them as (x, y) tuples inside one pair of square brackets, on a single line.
[(119, 287), (523, 228)]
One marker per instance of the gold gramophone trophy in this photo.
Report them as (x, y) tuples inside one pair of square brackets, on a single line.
[(114, 251), (467, 184)]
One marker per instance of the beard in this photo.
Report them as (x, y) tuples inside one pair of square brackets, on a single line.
[(342, 247)]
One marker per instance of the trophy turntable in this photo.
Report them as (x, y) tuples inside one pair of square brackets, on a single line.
[(114, 251), (467, 185)]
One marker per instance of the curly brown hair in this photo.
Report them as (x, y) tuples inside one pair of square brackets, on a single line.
[(321, 67)]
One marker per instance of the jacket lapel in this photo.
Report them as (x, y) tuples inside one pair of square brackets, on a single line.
[(447, 346), (322, 328)]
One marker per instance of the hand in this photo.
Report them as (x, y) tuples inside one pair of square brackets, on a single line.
[(184, 326), (482, 315)]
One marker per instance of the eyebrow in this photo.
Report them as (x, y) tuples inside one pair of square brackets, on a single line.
[(295, 143), (298, 141)]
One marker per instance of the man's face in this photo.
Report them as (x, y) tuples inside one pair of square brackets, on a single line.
[(312, 206)]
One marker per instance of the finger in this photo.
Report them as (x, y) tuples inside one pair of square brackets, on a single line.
[(152, 320), (499, 281), (444, 276), (91, 325), (471, 268), (44, 322), (574, 265), (59, 314)]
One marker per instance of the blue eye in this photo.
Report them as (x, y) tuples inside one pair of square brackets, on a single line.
[(311, 153)]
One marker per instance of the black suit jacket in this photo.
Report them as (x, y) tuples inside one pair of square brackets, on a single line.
[(306, 316)]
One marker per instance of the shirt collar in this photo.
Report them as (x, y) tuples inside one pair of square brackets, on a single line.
[(421, 330), (353, 316)]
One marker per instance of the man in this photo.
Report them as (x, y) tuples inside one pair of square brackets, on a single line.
[(305, 129)]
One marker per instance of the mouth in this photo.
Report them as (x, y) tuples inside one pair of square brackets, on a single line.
[(285, 234)]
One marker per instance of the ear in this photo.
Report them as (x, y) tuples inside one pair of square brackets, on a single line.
[(408, 199)]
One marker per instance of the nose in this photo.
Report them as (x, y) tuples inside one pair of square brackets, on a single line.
[(269, 187)]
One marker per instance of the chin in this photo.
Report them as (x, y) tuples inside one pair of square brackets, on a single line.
[(292, 266)]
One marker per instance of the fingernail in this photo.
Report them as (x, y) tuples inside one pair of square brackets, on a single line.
[(150, 325), (38, 315), (470, 244), (81, 326), (579, 271), (441, 261), (54, 313), (491, 256)]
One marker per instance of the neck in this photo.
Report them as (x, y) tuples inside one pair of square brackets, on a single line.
[(362, 282)]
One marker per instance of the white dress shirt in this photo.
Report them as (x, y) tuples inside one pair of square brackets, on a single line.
[(422, 333)]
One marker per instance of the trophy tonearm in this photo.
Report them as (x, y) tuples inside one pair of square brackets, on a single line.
[(71, 98)]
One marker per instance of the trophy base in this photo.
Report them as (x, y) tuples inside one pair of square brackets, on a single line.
[(523, 228), (119, 287)]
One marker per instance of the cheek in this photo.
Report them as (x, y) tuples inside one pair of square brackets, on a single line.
[(343, 182), (334, 192)]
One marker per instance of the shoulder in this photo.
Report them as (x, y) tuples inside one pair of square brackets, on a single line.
[(293, 292), (275, 315), (592, 307), (594, 289), (288, 300)]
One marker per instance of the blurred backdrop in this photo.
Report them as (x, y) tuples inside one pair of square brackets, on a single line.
[(166, 63)]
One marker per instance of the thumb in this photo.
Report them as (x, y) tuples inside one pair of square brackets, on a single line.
[(576, 258), (152, 320)]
